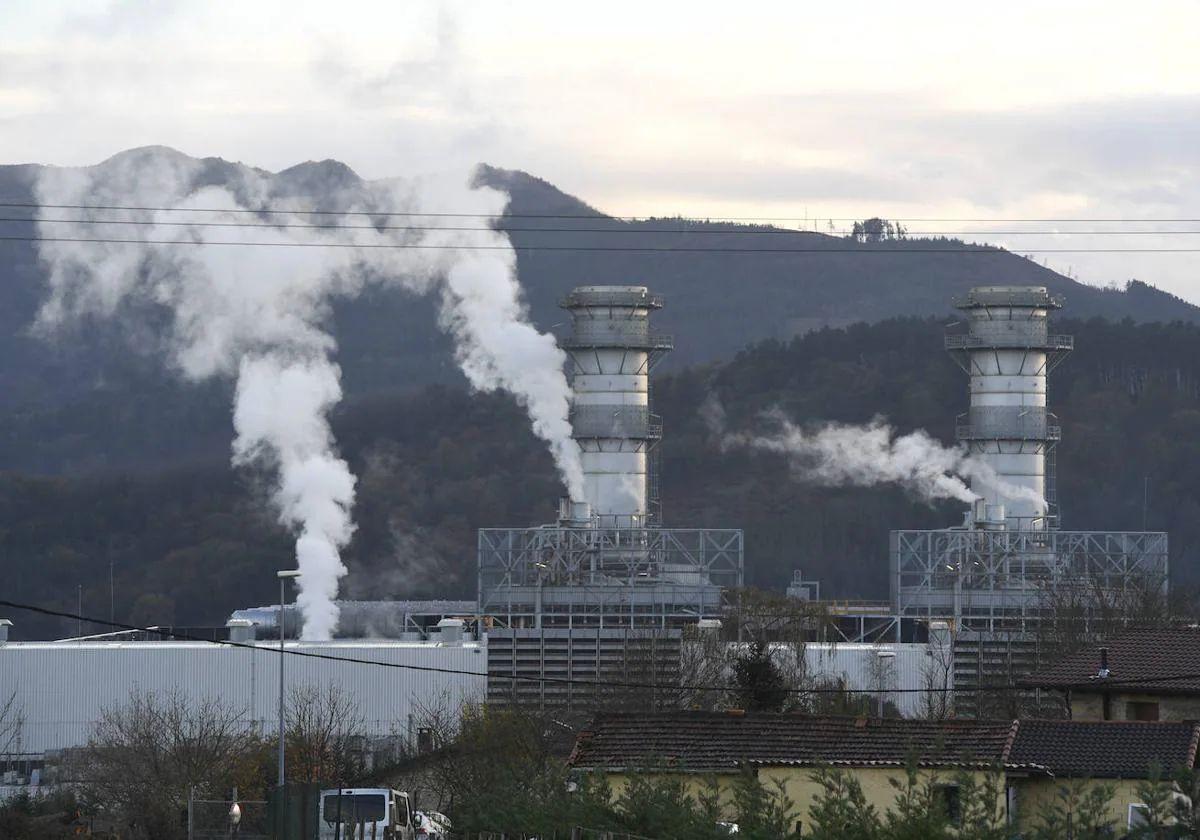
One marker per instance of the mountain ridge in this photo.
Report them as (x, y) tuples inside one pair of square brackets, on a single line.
[(387, 341)]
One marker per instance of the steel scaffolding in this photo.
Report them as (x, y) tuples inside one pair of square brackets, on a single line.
[(597, 577), (1002, 581)]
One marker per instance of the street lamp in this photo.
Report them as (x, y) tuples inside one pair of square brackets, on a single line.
[(883, 659), (283, 576)]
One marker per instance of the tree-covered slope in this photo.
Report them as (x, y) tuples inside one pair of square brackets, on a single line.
[(191, 543), (95, 397)]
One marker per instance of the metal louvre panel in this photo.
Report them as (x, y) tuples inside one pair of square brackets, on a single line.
[(615, 421), (1009, 422), (621, 331)]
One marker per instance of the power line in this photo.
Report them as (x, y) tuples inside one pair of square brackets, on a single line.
[(978, 250), (501, 227), (593, 216), (272, 648)]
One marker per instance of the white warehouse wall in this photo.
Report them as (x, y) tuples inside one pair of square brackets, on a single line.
[(63, 687), (903, 672)]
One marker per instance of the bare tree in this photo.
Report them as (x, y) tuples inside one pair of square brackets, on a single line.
[(325, 737), (145, 756), (937, 677), (706, 659), (12, 724)]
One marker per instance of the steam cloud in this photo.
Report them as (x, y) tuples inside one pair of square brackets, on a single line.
[(258, 313), (864, 456)]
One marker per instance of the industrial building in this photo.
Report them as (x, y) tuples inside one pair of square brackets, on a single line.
[(1009, 566), (1006, 574), (64, 687)]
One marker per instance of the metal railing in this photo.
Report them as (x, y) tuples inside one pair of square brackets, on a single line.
[(631, 341), (1031, 296), (966, 341), (608, 296)]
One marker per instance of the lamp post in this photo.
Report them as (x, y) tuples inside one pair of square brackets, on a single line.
[(283, 576), (883, 659)]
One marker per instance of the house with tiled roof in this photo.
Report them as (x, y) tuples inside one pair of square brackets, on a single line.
[(1034, 756), (1151, 674)]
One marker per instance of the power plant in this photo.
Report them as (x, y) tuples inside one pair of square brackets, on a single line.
[(606, 593), (1008, 575), (1008, 568)]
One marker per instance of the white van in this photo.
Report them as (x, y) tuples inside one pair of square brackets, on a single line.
[(366, 814)]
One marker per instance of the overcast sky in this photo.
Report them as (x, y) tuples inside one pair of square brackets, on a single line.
[(922, 109)]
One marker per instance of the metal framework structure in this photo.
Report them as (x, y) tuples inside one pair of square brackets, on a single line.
[(594, 577), (1002, 581)]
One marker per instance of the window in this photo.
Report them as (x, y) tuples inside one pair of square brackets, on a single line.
[(1139, 815), (400, 809), (1141, 710), (354, 807), (952, 803)]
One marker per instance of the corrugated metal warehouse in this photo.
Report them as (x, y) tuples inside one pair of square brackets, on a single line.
[(62, 687)]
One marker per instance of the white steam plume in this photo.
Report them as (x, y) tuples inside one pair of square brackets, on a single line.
[(837, 454), (258, 313)]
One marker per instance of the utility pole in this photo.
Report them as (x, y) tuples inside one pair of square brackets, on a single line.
[(1145, 499), (283, 578)]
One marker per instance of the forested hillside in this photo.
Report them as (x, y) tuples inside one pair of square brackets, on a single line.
[(95, 397), (192, 542)]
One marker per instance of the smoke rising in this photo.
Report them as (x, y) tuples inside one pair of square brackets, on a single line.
[(837, 454), (258, 314)]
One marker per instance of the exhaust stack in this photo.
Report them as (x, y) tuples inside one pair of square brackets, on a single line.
[(1007, 352), (612, 351)]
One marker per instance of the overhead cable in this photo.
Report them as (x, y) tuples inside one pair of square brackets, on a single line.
[(269, 647)]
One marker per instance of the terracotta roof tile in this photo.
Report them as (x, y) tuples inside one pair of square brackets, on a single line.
[(713, 741), (706, 741), (1105, 749), (1137, 660)]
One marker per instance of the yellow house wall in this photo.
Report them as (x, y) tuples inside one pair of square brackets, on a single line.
[(697, 786), (800, 788), (1087, 706), (1035, 795), (876, 784)]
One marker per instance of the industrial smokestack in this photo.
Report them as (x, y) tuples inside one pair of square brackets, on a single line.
[(612, 351), (1007, 352)]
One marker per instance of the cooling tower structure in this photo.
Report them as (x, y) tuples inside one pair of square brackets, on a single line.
[(612, 352), (1008, 352), (605, 590), (1009, 567)]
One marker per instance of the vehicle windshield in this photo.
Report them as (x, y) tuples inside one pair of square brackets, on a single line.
[(355, 807)]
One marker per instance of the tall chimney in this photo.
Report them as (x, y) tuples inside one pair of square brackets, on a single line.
[(612, 351), (4, 625), (1007, 352)]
